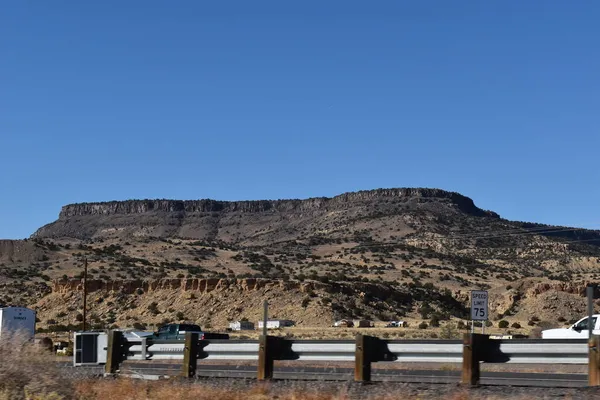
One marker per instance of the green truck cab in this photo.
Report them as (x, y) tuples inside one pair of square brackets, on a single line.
[(178, 331)]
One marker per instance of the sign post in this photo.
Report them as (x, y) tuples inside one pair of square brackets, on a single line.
[(479, 307), (590, 306)]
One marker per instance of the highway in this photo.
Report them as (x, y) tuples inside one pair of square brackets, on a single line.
[(155, 370)]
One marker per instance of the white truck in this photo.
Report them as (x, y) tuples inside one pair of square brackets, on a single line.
[(17, 320), (579, 330)]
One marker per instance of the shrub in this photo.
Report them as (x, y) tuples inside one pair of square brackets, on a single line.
[(29, 371), (425, 311), (423, 325), (503, 324), (153, 308), (139, 326), (516, 325), (449, 331)]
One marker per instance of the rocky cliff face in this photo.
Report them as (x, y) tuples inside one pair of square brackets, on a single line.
[(182, 285), (465, 204), (204, 219)]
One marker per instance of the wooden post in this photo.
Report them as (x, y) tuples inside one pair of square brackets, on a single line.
[(470, 366), (190, 355), (362, 359), (265, 316), (590, 307), (115, 352), (265, 358), (594, 361)]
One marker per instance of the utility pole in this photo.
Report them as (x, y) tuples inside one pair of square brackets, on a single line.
[(85, 265)]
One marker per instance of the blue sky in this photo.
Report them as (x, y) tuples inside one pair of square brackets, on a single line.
[(230, 100)]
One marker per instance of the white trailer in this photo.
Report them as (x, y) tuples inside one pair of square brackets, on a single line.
[(241, 326), (276, 323), (17, 320)]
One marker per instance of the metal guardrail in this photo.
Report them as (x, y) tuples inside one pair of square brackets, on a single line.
[(473, 350), (144, 349), (421, 351), (439, 351), (545, 351)]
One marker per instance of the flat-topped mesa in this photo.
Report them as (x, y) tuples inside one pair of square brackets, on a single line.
[(464, 203), (260, 221)]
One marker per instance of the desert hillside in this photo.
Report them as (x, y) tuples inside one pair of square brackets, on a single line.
[(383, 254)]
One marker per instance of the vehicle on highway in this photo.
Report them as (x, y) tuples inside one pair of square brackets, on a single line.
[(396, 324), (579, 330), (344, 323), (178, 331)]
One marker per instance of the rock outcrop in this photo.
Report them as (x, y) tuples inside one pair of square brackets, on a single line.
[(183, 285)]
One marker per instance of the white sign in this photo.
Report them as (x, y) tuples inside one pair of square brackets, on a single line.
[(479, 305)]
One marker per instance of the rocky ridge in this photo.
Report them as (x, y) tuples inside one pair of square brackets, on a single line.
[(381, 254)]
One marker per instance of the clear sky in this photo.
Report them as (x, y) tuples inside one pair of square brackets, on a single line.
[(232, 100)]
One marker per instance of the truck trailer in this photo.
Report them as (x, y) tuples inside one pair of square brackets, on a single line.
[(17, 320)]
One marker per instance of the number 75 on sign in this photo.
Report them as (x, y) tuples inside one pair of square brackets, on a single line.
[(479, 305)]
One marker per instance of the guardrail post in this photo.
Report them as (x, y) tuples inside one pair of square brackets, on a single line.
[(594, 361), (265, 357), (115, 351), (362, 358), (470, 365), (190, 355)]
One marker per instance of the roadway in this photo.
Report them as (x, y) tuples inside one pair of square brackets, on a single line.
[(155, 370)]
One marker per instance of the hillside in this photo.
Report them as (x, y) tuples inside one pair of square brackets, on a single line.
[(382, 254)]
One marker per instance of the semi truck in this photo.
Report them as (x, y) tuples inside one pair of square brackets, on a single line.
[(17, 320)]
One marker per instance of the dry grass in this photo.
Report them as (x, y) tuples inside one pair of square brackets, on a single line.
[(29, 371), (144, 390)]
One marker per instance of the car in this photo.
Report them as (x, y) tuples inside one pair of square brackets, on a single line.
[(397, 324), (344, 323), (178, 331)]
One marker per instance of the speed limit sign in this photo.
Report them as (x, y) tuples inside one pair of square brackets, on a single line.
[(479, 305)]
